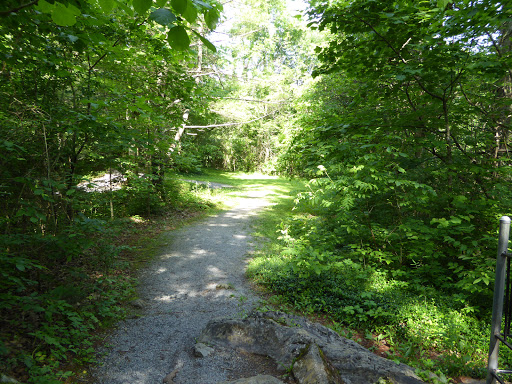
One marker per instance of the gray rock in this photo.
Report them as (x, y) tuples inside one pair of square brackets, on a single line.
[(313, 368), (286, 339), (169, 379), (138, 304), (7, 379), (202, 350), (260, 379), (224, 286)]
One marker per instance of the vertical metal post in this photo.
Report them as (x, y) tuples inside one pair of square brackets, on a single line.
[(497, 305)]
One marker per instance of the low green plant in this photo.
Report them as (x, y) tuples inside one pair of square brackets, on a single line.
[(423, 283)]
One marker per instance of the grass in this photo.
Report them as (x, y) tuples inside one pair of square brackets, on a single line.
[(280, 191)]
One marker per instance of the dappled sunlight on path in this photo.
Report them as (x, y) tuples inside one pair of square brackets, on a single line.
[(198, 276)]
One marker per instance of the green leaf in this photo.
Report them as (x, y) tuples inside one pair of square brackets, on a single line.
[(190, 13), (163, 16), (206, 42), (72, 38), (128, 10), (179, 6), (65, 15), (178, 38), (44, 6), (20, 266), (161, 3), (107, 5), (443, 3), (202, 4), (141, 6), (211, 18)]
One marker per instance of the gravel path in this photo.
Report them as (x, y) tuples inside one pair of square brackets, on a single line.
[(199, 276)]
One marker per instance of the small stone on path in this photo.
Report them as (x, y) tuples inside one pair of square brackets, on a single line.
[(202, 350)]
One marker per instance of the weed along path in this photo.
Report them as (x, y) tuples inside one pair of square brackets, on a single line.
[(198, 276)]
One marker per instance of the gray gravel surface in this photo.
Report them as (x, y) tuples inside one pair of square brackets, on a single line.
[(198, 276)]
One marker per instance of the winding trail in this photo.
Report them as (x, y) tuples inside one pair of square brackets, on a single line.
[(198, 276)]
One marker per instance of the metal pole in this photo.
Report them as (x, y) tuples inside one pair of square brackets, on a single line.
[(497, 304)]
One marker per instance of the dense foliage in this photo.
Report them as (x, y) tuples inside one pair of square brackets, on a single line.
[(86, 88), (262, 66), (404, 135)]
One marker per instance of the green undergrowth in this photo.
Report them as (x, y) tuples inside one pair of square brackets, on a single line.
[(59, 293), (429, 329), (70, 287)]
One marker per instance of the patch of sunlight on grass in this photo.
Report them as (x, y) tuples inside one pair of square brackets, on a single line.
[(265, 266), (255, 176), (137, 219)]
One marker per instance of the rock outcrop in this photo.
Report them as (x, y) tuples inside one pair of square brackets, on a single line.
[(314, 354), (260, 379)]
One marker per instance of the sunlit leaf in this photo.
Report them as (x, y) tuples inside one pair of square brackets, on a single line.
[(163, 16), (190, 13), (211, 18), (142, 6), (64, 15), (44, 6), (178, 38), (72, 38), (202, 4), (179, 6), (443, 3), (122, 5), (206, 42), (107, 5)]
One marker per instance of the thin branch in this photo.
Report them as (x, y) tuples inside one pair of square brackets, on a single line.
[(400, 57), (407, 42), (104, 55), (411, 103), (248, 33), (462, 150), (14, 10), (204, 74), (252, 100), (113, 45), (227, 124), (385, 40), (424, 89)]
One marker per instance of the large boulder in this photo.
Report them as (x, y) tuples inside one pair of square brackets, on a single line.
[(312, 352)]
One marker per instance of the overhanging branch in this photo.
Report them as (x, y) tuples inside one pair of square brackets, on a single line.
[(227, 124), (252, 100), (14, 10)]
